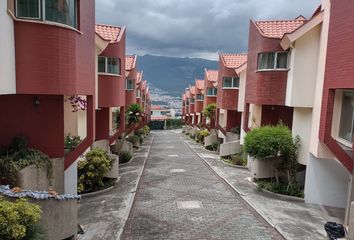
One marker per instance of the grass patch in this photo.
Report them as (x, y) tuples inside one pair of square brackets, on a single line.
[(280, 188)]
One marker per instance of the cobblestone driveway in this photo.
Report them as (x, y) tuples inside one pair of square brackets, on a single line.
[(179, 197)]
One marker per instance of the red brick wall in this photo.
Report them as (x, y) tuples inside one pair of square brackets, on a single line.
[(111, 89), (42, 125), (56, 60), (272, 115), (339, 71), (227, 98), (208, 100), (263, 87), (198, 106)]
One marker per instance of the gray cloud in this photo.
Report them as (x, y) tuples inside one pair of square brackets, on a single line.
[(194, 28)]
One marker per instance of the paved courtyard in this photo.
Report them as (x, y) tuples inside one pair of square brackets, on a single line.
[(179, 197)]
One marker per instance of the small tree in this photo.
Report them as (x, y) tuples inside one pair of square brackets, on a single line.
[(209, 111)]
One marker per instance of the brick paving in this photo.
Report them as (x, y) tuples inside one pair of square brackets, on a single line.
[(175, 177)]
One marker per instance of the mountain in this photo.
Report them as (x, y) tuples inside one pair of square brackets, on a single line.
[(172, 74)]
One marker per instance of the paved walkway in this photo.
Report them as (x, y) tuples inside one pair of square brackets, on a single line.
[(294, 220), (180, 197), (104, 216)]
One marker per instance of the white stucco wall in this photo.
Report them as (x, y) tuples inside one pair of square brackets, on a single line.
[(75, 123), (222, 118), (303, 70), (255, 116), (302, 119), (316, 147), (7, 52), (241, 92), (70, 179), (326, 182)]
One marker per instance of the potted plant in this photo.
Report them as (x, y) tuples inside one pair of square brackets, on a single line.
[(71, 142)]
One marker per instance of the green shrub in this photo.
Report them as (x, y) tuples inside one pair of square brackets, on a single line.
[(92, 170), (173, 123), (18, 220), (146, 130), (71, 142), (133, 139), (210, 110), (214, 147), (125, 156), (281, 188), (200, 135)]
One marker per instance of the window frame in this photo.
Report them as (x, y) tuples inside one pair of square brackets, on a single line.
[(40, 6), (42, 14), (106, 66), (232, 82), (215, 93), (126, 84), (201, 97), (275, 61), (340, 138), (138, 93), (192, 101)]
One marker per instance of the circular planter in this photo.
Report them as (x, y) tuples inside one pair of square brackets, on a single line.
[(33, 178), (113, 172), (283, 197), (59, 217), (265, 168)]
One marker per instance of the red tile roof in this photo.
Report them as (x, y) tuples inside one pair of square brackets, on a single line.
[(155, 107), (107, 32), (234, 60), (188, 94), (199, 84), (277, 28), (212, 75), (130, 62), (184, 97), (140, 77), (192, 89)]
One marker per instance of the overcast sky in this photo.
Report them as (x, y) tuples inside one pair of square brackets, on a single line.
[(194, 28)]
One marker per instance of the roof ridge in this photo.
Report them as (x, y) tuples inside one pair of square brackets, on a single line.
[(108, 25)]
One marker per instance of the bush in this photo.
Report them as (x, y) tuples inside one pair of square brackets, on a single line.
[(125, 156), (71, 142), (18, 220), (173, 123), (239, 159), (92, 170), (200, 135), (133, 139), (214, 147), (281, 188), (146, 130)]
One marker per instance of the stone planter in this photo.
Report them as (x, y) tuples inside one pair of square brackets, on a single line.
[(59, 217), (101, 144), (113, 173), (265, 168), (232, 137), (121, 146), (33, 178), (210, 140), (230, 148)]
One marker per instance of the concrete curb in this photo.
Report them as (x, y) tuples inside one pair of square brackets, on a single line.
[(234, 166), (100, 192), (236, 190), (132, 197), (283, 197)]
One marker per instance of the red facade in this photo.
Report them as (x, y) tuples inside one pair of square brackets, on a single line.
[(55, 60), (263, 87), (111, 88), (340, 54)]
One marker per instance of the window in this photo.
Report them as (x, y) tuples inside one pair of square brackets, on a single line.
[(192, 101), (212, 91), (28, 9), (230, 82), (273, 60), (60, 11), (130, 84), (347, 116), (187, 102), (138, 93), (200, 97), (109, 65)]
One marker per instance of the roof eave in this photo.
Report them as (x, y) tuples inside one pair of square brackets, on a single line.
[(289, 38)]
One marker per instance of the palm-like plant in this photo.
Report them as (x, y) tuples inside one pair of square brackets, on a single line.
[(132, 114), (209, 110)]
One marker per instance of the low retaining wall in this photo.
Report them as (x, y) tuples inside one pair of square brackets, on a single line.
[(210, 140), (33, 178), (230, 148)]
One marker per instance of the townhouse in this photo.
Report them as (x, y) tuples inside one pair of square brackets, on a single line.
[(111, 83), (198, 102), (46, 100), (210, 94), (228, 116)]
